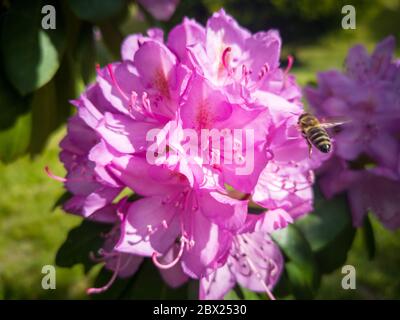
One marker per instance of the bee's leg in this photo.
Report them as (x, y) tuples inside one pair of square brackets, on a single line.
[(309, 147)]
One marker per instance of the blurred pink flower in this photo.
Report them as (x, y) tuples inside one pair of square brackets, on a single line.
[(367, 146), (160, 9)]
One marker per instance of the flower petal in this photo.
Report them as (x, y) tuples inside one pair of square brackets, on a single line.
[(143, 231)]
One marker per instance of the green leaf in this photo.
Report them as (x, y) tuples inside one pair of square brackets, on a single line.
[(44, 117), (94, 10), (15, 122), (282, 288), (81, 240), (12, 105), (301, 268), (234, 294), (31, 55), (327, 220), (329, 231), (251, 295), (334, 255), (369, 237), (86, 53), (15, 140), (112, 38), (51, 107), (67, 86), (146, 283)]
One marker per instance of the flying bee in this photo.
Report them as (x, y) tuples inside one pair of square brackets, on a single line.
[(315, 132)]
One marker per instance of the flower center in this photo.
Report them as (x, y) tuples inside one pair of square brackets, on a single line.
[(182, 201), (244, 245)]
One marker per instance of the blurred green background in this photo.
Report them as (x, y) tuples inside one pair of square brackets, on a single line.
[(31, 230)]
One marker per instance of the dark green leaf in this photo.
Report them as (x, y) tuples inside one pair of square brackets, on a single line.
[(50, 105), (329, 231), (44, 117), (15, 140), (301, 280), (15, 122), (67, 85), (327, 220), (300, 266), (12, 105), (234, 294), (251, 295), (193, 289), (334, 255), (282, 288), (31, 54), (95, 11), (86, 53), (294, 244), (369, 237), (112, 38), (81, 240)]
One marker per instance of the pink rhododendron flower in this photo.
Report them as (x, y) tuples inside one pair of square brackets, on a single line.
[(254, 261), (160, 9), (367, 146), (186, 124), (124, 265)]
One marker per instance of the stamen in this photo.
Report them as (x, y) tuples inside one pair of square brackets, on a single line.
[(146, 104), (289, 185), (250, 242), (264, 70), (53, 176), (109, 283), (111, 73), (132, 103), (290, 64), (258, 275), (225, 57), (98, 69), (175, 261)]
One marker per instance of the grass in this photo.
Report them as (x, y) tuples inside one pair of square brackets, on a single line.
[(31, 231)]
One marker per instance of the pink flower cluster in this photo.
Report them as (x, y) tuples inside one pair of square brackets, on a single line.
[(192, 213), (366, 164)]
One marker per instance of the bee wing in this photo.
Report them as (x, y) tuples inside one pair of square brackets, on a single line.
[(334, 122)]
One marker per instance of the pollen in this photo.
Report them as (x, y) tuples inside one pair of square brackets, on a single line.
[(161, 83), (204, 118)]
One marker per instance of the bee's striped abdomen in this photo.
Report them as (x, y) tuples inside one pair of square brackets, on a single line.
[(319, 138), (314, 133)]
